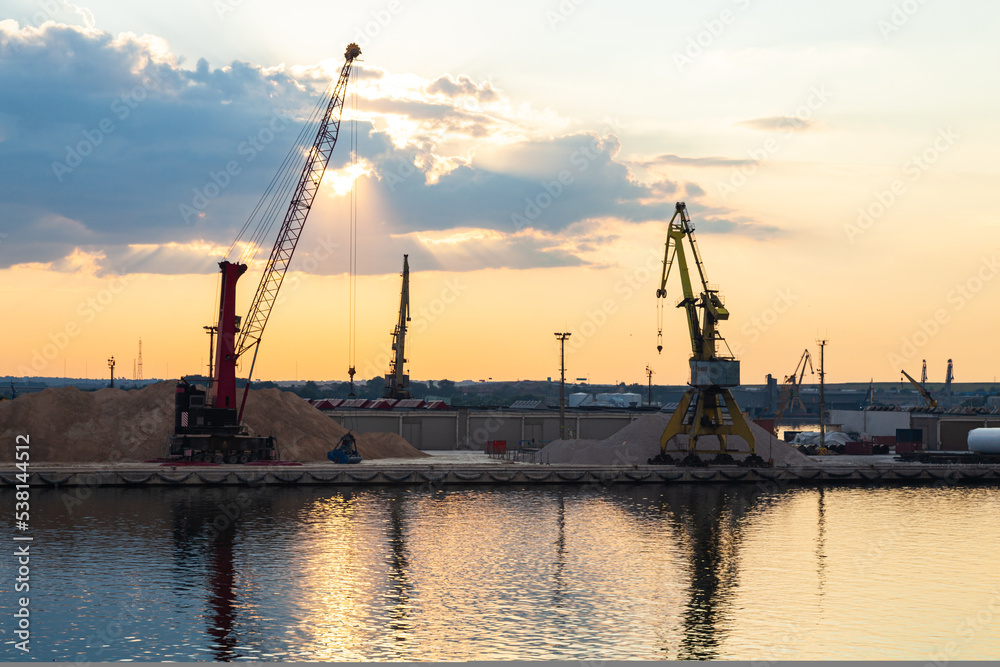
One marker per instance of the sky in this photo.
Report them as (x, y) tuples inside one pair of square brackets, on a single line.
[(836, 161)]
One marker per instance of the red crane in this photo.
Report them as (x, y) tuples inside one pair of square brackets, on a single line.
[(215, 432)]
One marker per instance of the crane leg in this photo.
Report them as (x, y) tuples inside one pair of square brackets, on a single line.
[(676, 424), (740, 426)]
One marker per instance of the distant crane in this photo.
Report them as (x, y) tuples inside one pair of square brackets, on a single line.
[(949, 376), (397, 382), (111, 365), (931, 401), (923, 373), (712, 373), (870, 394), (791, 387)]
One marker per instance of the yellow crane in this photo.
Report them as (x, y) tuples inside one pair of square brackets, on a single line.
[(931, 401), (397, 382), (712, 373), (791, 387)]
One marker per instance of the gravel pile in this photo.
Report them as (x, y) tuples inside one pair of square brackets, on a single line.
[(71, 426), (639, 441)]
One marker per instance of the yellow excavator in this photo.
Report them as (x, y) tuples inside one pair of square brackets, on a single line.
[(703, 409)]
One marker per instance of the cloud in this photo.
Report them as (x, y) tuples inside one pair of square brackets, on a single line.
[(693, 190), (113, 149), (783, 123), (559, 182), (463, 85), (167, 258), (722, 221), (85, 14), (670, 159)]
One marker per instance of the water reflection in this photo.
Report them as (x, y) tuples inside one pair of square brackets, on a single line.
[(205, 529), (200, 528), (636, 572), (709, 518), (707, 525), (558, 574), (400, 585), (821, 540)]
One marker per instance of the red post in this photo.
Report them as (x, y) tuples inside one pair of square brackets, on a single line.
[(224, 386)]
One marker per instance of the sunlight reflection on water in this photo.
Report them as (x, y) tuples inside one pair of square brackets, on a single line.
[(647, 572)]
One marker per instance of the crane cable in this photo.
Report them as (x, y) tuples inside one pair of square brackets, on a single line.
[(275, 198), (659, 325), (353, 249)]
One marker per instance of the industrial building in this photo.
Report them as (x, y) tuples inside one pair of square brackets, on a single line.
[(437, 426), (940, 430)]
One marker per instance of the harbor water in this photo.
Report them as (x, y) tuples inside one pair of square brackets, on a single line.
[(709, 571)]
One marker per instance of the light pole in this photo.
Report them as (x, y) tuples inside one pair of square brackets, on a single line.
[(822, 397), (649, 376), (562, 383), (212, 330)]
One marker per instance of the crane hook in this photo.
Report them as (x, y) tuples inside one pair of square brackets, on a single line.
[(659, 341)]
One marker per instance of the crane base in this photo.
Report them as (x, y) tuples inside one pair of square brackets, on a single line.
[(215, 448), (708, 419)]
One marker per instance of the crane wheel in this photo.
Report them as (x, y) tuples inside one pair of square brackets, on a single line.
[(218, 457), (692, 460), (722, 459)]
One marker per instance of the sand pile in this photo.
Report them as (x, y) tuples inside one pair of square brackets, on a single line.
[(73, 426), (306, 434), (639, 441)]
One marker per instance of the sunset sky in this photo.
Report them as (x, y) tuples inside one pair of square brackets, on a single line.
[(838, 161)]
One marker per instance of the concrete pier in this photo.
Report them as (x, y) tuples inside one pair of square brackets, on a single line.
[(428, 472)]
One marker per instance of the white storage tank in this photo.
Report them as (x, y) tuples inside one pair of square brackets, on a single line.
[(984, 440)]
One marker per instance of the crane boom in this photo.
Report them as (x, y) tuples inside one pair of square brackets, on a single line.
[(397, 383), (298, 210), (931, 401), (704, 338)]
